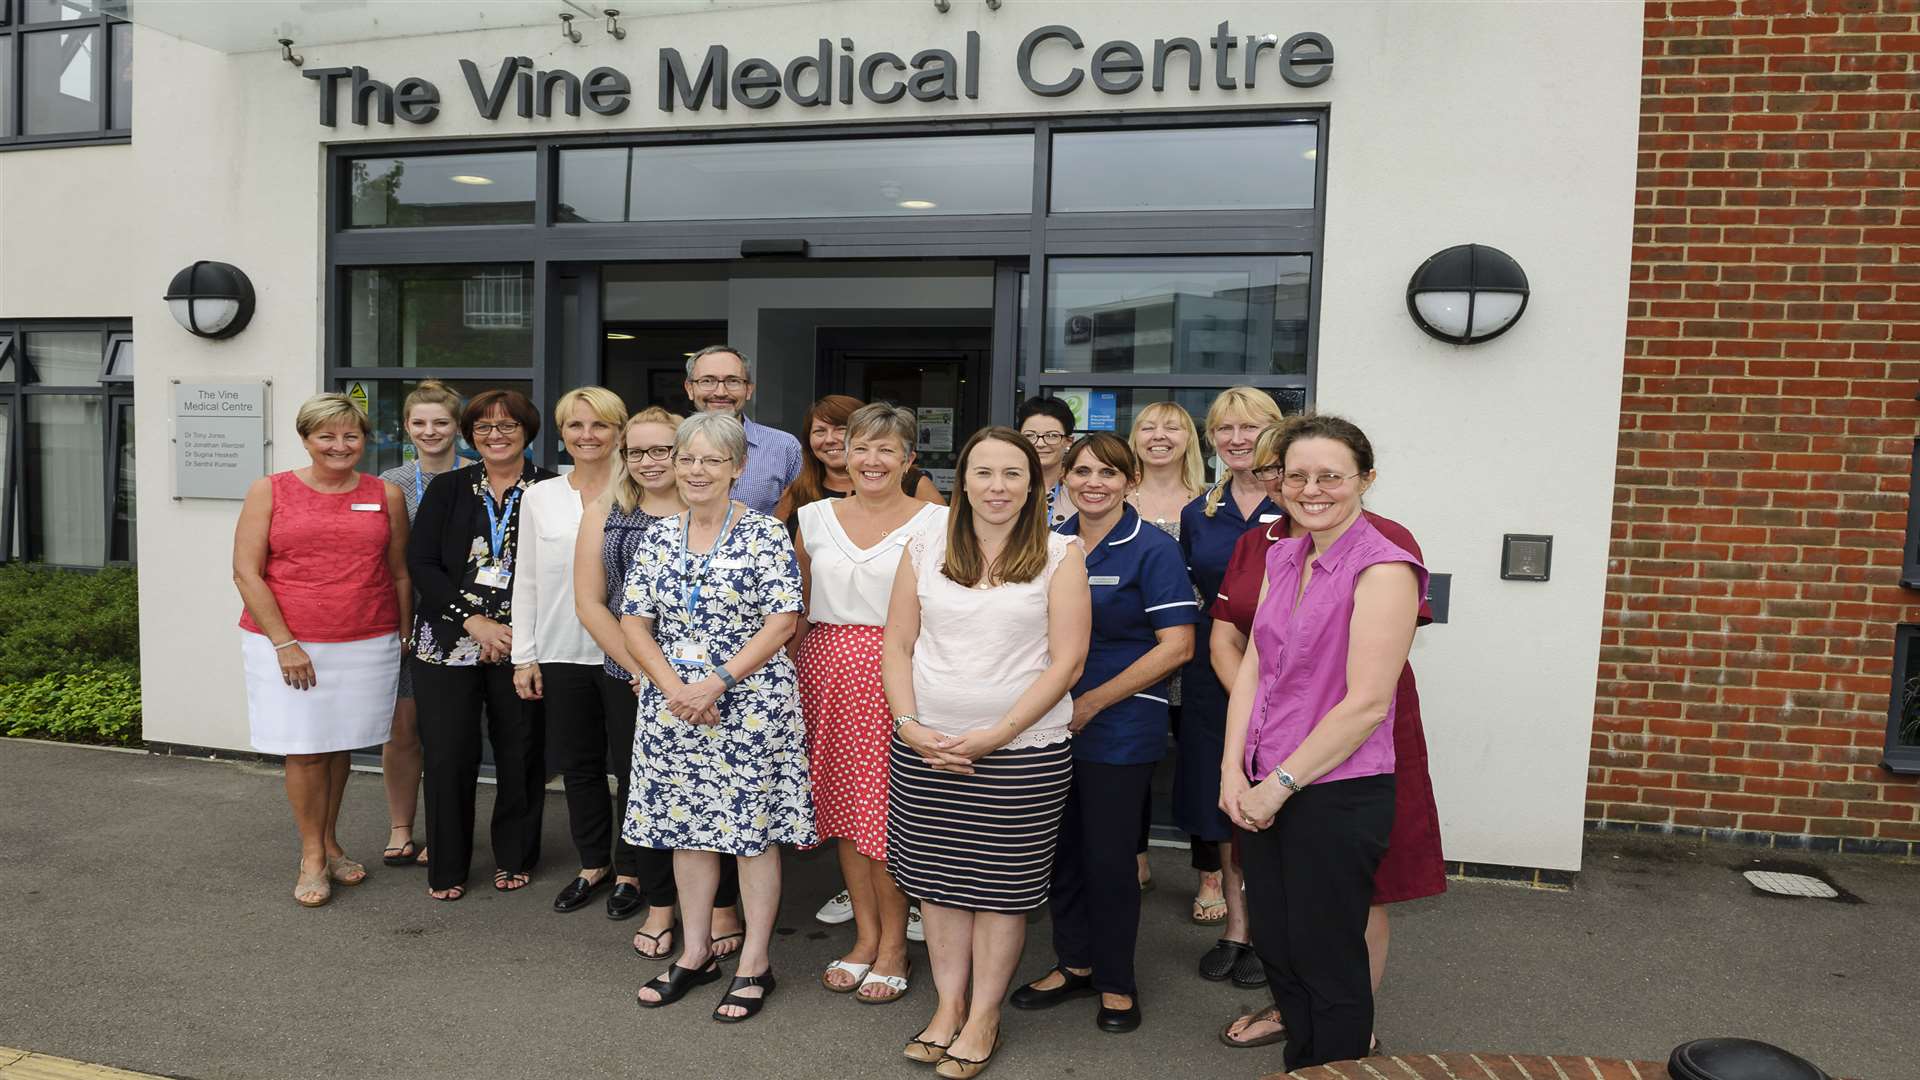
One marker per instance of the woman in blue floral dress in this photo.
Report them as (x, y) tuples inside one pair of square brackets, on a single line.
[(719, 748)]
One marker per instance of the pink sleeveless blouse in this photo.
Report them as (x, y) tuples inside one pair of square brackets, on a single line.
[(327, 561)]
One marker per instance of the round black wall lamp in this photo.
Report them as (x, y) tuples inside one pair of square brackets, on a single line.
[(1467, 294), (211, 299)]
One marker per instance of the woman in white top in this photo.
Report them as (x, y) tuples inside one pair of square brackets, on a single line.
[(555, 659), (987, 630), (849, 550)]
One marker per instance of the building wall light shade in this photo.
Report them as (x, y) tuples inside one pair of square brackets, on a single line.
[(1467, 294), (211, 299)]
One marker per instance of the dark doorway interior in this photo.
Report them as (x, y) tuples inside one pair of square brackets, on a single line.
[(939, 372), (646, 362)]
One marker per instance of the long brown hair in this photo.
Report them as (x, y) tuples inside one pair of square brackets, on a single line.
[(811, 484), (1025, 556)]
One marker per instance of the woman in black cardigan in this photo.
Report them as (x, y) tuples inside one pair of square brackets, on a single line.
[(461, 555)]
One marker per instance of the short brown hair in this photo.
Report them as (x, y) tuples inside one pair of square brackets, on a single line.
[(1108, 449), (512, 402)]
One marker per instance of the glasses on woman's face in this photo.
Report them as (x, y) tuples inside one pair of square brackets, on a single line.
[(634, 455), (707, 384), (711, 463), (1326, 481), (1045, 438), (504, 427)]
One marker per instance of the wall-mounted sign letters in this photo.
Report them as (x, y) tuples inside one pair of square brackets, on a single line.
[(219, 439), (1052, 61)]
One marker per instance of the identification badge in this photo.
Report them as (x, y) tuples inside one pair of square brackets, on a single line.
[(493, 576), (365, 506), (1103, 579), (687, 652), (1268, 519)]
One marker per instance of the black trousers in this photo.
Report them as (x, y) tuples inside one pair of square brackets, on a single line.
[(451, 701), (1309, 883), (586, 740), (1095, 895)]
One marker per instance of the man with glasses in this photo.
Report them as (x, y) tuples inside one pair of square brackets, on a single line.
[(1047, 423), (720, 380)]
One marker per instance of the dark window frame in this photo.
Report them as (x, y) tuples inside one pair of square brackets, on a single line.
[(15, 393), (13, 31), (1902, 756), (1016, 243)]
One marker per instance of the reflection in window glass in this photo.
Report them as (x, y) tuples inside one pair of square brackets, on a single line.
[(6, 492), (6, 366), (442, 189), (1270, 167), (65, 477), (877, 177), (384, 399), (1237, 316), (61, 10), (122, 72), (441, 316), (62, 358), (124, 506), (6, 87), (58, 85)]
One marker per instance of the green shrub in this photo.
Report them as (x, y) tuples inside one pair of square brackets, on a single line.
[(70, 654), (89, 706)]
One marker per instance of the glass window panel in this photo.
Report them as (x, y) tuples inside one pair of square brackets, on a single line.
[(6, 357), (122, 100), (1126, 403), (384, 399), (62, 358), (61, 10), (7, 546), (59, 85), (442, 189), (1232, 315), (441, 316), (65, 478), (6, 85), (124, 506), (119, 358), (1270, 167), (927, 176)]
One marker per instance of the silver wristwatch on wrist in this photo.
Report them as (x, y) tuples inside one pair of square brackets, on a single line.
[(902, 720), (1286, 780)]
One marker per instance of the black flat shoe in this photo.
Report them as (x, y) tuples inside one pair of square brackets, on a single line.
[(625, 902), (1119, 1021), (578, 892), (752, 1005), (673, 983), (1075, 986), (1249, 972), (1219, 962)]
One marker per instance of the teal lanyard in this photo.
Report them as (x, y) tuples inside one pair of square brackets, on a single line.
[(698, 579)]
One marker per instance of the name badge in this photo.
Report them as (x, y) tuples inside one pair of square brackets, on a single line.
[(365, 506), (1268, 519), (493, 577), (1103, 579), (687, 653)]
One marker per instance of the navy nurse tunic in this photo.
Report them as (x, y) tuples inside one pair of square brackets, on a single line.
[(1207, 543), (1139, 583)]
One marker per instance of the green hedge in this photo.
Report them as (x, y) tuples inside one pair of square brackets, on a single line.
[(70, 654)]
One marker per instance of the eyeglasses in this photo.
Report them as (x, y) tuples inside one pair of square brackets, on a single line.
[(505, 427), (707, 384), (687, 462), (1294, 481), (1044, 438), (637, 454)]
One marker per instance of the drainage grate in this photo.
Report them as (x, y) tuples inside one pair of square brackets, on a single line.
[(1781, 884)]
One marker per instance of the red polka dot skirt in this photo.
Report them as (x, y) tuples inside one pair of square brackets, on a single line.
[(849, 728)]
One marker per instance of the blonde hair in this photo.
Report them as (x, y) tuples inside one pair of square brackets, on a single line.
[(430, 392), (626, 491), (320, 410), (605, 404), (1248, 401), (1193, 468)]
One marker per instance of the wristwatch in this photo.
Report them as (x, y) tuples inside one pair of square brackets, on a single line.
[(726, 677), (902, 720), (1286, 780)]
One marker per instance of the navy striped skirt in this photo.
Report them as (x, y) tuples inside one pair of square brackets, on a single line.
[(982, 841)]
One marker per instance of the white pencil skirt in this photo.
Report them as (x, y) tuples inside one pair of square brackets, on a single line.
[(349, 706)]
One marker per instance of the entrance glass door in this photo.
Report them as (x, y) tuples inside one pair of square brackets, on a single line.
[(938, 372)]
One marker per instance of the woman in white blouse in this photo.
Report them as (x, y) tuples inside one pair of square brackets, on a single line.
[(849, 551), (555, 659)]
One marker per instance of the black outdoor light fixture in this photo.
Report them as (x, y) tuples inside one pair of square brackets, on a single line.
[(1467, 294), (211, 299)]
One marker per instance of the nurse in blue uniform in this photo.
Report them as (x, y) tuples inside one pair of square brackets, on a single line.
[(1209, 527), (1144, 619)]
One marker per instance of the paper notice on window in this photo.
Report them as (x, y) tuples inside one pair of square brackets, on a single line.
[(936, 430)]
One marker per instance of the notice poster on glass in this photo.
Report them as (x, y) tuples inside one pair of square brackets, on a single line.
[(219, 439), (1103, 409), (1075, 399), (936, 430)]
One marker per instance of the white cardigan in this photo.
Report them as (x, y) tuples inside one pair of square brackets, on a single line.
[(545, 628)]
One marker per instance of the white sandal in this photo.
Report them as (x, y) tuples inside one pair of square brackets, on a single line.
[(858, 971), (895, 983)]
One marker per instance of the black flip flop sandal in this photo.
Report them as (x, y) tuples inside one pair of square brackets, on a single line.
[(752, 1006), (1269, 1014), (664, 953), (673, 983), (715, 943), (404, 855)]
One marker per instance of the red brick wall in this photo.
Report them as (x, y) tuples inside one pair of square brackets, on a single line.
[(1767, 424)]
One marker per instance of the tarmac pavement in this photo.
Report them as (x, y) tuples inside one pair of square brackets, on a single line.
[(146, 922)]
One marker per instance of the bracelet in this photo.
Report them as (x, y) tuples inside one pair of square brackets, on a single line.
[(291, 642)]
